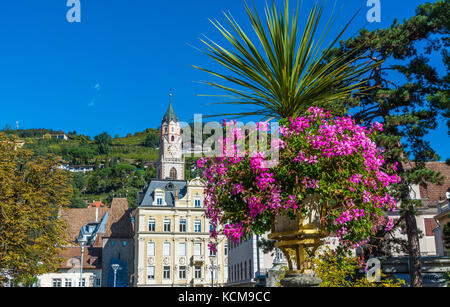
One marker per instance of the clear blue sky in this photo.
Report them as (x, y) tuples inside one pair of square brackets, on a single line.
[(113, 71)]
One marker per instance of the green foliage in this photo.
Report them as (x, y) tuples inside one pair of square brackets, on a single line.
[(103, 142), (79, 155), (118, 163), (117, 179), (32, 192), (338, 271), (29, 133), (410, 97), (151, 140), (283, 72), (77, 201)]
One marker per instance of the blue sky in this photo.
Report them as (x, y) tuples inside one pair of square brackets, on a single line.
[(113, 71)]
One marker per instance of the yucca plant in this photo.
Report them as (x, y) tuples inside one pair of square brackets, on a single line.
[(281, 73)]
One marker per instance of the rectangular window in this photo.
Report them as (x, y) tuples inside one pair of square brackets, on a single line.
[(182, 272), (56, 282), (68, 283), (225, 249), (166, 225), (98, 282), (166, 249), (150, 273), (211, 252), (166, 272), (197, 226), (83, 283), (198, 272), (197, 202), (197, 249), (159, 201), (182, 225), (182, 249), (151, 249), (151, 225)]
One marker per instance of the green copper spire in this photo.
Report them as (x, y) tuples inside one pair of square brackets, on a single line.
[(170, 114)]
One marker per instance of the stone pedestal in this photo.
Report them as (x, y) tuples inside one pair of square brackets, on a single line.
[(273, 275), (300, 280)]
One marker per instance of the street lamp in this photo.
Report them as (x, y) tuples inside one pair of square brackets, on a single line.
[(212, 268), (82, 241), (115, 267)]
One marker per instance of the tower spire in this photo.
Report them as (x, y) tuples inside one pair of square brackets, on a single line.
[(170, 114)]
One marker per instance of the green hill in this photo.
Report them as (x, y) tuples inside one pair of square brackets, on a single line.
[(122, 165)]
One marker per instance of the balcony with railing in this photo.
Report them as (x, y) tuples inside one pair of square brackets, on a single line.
[(197, 282), (198, 259)]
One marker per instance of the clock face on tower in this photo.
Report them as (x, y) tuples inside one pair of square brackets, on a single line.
[(172, 150)]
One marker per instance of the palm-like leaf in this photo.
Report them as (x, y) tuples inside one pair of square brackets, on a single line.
[(282, 74)]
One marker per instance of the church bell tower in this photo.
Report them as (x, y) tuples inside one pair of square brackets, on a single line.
[(170, 165)]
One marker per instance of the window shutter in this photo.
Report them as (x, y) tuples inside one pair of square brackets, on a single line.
[(182, 247), (197, 249), (166, 249), (151, 249), (430, 223)]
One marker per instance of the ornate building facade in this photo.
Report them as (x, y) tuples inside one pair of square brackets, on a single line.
[(171, 228)]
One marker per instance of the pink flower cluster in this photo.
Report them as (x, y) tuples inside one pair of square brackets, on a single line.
[(233, 231), (350, 215), (331, 157)]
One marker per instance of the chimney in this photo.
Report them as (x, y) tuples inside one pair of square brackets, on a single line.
[(176, 193)]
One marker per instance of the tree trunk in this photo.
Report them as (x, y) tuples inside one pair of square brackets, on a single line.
[(415, 265)]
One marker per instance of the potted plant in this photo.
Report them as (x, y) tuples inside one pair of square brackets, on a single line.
[(329, 179)]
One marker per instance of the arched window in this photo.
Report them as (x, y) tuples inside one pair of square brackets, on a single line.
[(173, 138), (173, 173)]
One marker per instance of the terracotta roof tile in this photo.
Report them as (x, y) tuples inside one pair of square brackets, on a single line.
[(92, 258), (119, 221), (76, 218)]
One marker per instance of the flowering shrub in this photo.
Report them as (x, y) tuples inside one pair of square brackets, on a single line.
[(333, 159), (337, 271)]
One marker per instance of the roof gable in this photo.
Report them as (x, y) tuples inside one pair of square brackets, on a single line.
[(170, 188)]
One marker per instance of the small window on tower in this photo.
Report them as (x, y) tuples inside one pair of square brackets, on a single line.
[(173, 174), (173, 138)]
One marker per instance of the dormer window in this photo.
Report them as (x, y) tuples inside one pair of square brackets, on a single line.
[(159, 195), (197, 202)]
